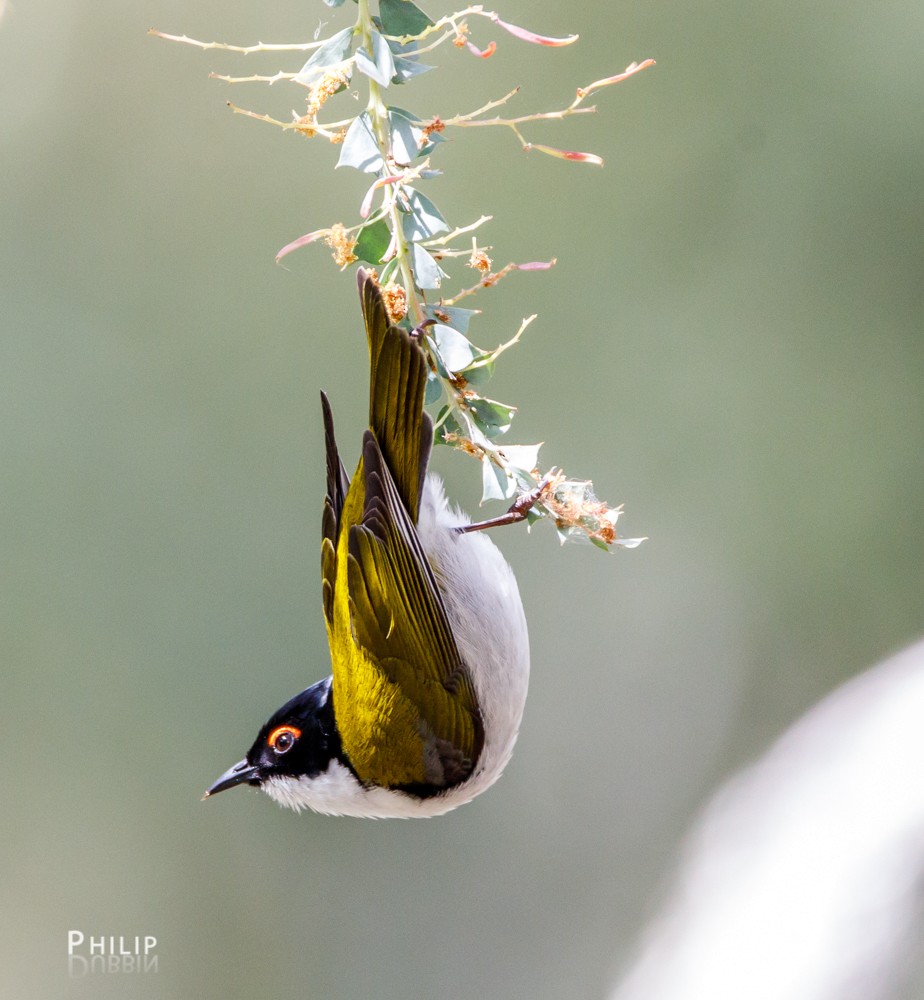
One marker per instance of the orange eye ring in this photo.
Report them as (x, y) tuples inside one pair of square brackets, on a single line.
[(282, 738)]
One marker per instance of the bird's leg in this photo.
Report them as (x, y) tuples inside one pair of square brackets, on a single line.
[(419, 330), (520, 507)]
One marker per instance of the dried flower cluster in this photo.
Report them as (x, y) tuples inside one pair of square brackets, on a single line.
[(341, 245)]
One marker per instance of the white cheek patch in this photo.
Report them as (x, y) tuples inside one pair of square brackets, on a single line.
[(336, 792), (332, 792)]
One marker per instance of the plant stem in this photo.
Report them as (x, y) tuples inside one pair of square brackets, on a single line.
[(381, 129)]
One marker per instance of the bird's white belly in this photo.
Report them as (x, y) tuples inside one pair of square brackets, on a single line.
[(483, 605)]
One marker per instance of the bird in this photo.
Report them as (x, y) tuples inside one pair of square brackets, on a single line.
[(428, 638)]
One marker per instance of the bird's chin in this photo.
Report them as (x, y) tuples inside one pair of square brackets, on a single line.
[(292, 793), (336, 792)]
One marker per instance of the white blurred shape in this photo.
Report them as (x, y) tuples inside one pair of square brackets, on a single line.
[(798, 883)]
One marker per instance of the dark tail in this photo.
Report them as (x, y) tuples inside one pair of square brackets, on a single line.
[(397, 382)]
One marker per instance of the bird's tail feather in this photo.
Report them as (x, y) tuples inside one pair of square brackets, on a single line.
[(397, 383)]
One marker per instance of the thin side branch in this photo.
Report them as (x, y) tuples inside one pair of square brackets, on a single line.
[(242, 49), (489, 280), (255, 79), (441, 241)]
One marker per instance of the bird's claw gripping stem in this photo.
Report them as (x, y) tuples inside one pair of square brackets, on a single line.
[(518, 510)]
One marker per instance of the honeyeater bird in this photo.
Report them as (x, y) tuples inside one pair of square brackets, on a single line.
[(428, 640)]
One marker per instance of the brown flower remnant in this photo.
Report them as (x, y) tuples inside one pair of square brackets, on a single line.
[(319, 93), (434, 125), (573, 505), (324, 88), (395, 298), (338, 137), (338, 240), (479, 260), (461, 39), (463, 444)]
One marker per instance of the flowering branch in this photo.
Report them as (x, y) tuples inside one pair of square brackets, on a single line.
[(402, 233)]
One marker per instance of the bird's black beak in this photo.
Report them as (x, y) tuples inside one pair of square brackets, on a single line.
[(240, 774)]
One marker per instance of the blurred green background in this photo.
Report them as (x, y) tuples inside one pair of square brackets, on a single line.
[(730, 344)]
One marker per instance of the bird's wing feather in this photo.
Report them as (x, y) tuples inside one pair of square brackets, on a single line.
[(338, 483), (397, 382), (398, 618)]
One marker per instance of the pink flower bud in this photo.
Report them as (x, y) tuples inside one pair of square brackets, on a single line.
[(567, 154), (531, 36), (302, 241), (486, 54), (618, 78), (366, 207)]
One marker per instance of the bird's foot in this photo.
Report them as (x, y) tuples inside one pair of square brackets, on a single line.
[(418, 332)]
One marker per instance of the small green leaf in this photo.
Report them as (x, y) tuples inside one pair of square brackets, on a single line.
[(407, 60), (380, 65), (491, 417), (453, 315), (434, 388), (333, 51), (401, 17), (406, 136), (522, 457), (411, 117), (454, 349), (446, 423), (495, 483), (424, 218), (359, 148), (441, 369), (412, 230), (388, 271), (428, 144), (427, 272), (478, 374), (407, 67), (629, 543), (372, 242)]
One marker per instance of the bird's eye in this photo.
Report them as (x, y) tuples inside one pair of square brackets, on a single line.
[(283, 738)]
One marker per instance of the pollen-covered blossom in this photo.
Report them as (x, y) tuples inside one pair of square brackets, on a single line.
[(575, 508), (319, 93), (479, 260), (395, 298), (341, 244), (325, 87), (434, 125)]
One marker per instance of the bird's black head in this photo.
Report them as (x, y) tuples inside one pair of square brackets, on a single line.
[(299, 740)]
